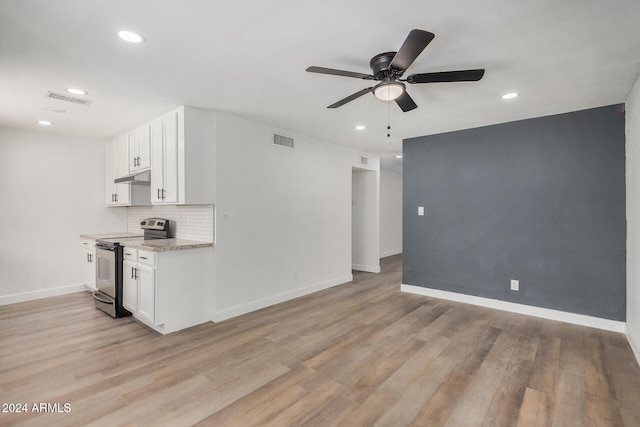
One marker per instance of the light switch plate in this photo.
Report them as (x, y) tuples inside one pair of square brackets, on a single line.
[(420, 210)]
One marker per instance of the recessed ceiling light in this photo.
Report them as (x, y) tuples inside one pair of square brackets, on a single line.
[(361, 127), (510, 95), (44, 122), (130, 36), (398, 156), (76, 91)]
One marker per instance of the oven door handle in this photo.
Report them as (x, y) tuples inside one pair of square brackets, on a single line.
[(95, 296), (105, 248)]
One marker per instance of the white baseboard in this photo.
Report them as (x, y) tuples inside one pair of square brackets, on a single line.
[(635, 346), (43, 293), (545, 313), (391, 253), (367, 268), (241, 309)]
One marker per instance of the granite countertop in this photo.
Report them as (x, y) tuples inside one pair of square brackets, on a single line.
[(159, 245), (97, 236), (156, 245)]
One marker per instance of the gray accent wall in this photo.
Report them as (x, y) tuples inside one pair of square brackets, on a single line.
[(541, 201)]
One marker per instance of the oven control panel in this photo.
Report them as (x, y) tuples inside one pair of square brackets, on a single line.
[(154, 224)]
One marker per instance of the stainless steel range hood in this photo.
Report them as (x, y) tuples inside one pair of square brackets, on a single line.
[(143, 178)]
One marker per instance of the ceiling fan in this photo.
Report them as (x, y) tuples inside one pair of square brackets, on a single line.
[(389, 67)]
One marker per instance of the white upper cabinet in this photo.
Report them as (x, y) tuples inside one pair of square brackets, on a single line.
[(116, 194), (140, 149), (122, 156), (116, 166), (181, 157), (178, 148)]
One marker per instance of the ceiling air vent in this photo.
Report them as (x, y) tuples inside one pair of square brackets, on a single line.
[(68, 98), (364, 160), (283, 141)]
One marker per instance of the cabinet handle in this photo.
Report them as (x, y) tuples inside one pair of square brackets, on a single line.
[(88, 258), (159, 194), (143, 257), (136, 275), (116, 197), (133, 274), (163, 196)]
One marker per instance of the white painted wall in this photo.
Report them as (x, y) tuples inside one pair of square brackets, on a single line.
[(283, 216), (390, 213), (365, 224), (52, 190), (633, 217)]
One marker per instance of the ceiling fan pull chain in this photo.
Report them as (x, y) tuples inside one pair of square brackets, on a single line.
[(389, 121)]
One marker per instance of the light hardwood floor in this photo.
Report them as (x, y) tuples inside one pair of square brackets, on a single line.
[(359, 354)]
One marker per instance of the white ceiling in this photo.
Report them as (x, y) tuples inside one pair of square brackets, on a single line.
[(248, 58)]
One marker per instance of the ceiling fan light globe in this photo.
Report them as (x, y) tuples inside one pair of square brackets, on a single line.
[(388, 91)]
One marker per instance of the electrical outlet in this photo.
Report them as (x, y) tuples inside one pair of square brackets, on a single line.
[(515, 285)]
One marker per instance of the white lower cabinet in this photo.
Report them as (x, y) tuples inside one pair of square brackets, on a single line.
[(146, 292), (168, 290), (138, 284), (88, 251)]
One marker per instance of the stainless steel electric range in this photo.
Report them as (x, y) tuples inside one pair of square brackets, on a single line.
[(109, 257)]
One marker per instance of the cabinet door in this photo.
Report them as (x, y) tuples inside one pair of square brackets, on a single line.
[(133, 151), (88, 267), (146, 293), (123, 194), (110, 172), (171, 167), (116, 194), (129, 286), (122, 156), (157, 161), (144, 147)]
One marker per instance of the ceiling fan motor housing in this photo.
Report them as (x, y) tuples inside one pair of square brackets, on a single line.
[(380, 64)]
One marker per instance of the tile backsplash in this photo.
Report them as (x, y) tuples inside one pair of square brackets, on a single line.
[(191, 222)]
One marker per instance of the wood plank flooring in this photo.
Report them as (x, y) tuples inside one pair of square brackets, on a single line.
[(359, 354)]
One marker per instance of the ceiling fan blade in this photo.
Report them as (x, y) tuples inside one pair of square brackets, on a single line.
[(447, 76), (413, 46), (350, 98), (405, 102), (342, 73)]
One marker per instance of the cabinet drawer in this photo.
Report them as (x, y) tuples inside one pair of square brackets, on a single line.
[(131, 254), (88, 243), (147, 257)]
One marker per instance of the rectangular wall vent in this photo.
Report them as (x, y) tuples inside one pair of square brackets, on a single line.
[(364, 160), (67, 98), (283, 141)]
